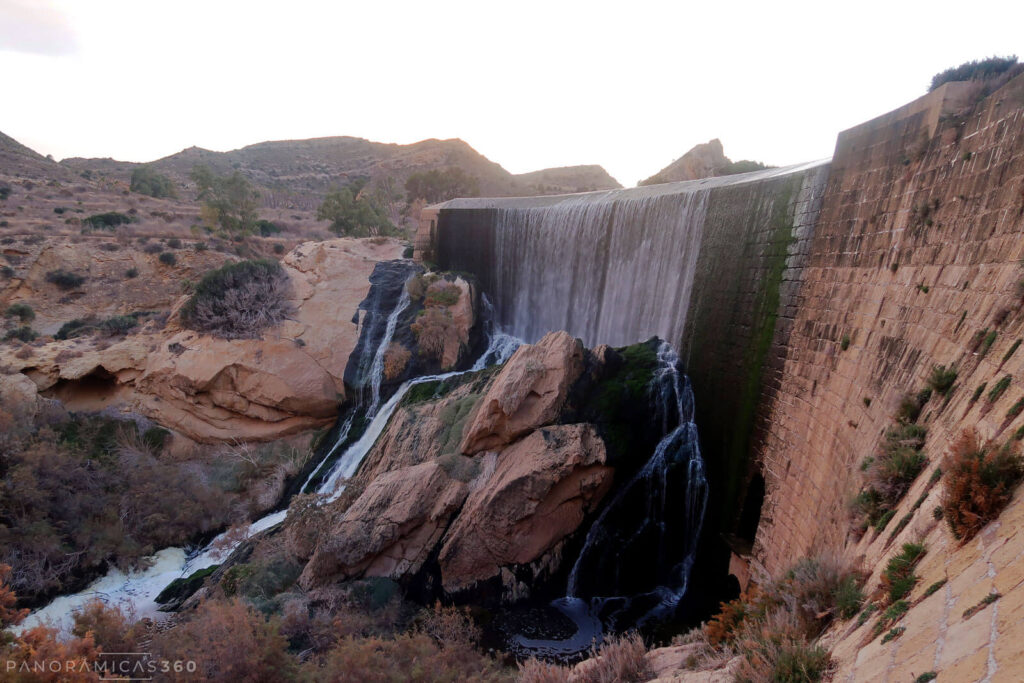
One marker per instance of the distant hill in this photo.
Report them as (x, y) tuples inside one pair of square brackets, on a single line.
[(567, 179), (703, 161), (17, 159), (297, 173)]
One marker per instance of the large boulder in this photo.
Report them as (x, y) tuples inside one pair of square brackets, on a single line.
[(540, 490), (391, 529), (528, 392)]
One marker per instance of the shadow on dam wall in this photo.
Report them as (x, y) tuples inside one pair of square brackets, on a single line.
[(712, 265)]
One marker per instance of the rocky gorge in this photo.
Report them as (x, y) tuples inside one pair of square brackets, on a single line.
[(656, 408)]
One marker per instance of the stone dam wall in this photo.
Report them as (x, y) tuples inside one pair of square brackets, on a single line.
[(820, 297)]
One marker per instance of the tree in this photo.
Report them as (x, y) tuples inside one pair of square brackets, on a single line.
[(148, 182), (440, 185), (353, 212), (229, 202)]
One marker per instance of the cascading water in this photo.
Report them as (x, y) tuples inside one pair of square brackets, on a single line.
[(637, 569), (135, 591), (612, 267)]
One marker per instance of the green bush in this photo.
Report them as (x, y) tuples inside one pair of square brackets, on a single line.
[(942, 378), (898, 575), (267, 228), (108, 220), (148, 182), (1000, 387), (239, 300), (23, 333), (21, 311), (131, 273), (64, 279), (167, 258), (119, 324), (974, 70), (174, 243)]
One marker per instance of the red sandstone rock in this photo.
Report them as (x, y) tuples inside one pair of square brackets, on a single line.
[(540, 490), (528, 392)]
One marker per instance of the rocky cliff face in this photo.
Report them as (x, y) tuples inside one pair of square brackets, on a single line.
[(915, 262), (210, 389), (475, 487)]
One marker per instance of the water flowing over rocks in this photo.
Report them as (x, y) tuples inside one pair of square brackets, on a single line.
[(529, 391)]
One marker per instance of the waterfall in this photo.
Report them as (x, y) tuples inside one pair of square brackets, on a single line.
[(611, 267), (377, 369), (136, 590), (639, 569)]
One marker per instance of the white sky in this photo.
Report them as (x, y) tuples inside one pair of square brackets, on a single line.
[(628, 85)]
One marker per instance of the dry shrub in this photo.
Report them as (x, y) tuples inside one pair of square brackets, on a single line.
[(111, 629), (448, 625), (621, 659), (50, 658), (537, 671), (980, 481), (722, 627), (239, 300), (9, 614), (774, 628), (230, 642), (776, 648), (432, 328), (408, 657), (395, 360), (442, 294)]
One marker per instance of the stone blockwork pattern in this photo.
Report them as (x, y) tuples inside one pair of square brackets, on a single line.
[(918, 250)]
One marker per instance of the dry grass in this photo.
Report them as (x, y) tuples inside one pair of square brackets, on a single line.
[(620, 659), (980, 481), (395, 360), (432, 328)]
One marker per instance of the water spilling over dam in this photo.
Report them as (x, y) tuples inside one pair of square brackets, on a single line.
[(617, 266)]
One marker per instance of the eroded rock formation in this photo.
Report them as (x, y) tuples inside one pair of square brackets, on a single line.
[(212, 389), (480, 486)]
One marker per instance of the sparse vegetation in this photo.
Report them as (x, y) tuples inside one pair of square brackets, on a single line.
[(893, 634), (239, 300), (889, 474), (999, 388), (980, 481), (439, 185), (168, 258), (932, 589), (975, 70), (65, 279), (774, 629), (982, 604)]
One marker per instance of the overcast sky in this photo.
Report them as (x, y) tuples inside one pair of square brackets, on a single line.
[(628, 85)]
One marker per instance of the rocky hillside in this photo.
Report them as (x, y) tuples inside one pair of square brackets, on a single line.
[(703, 161), (198, 385), (297, 173)]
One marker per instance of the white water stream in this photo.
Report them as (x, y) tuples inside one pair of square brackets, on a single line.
[(135, 591)]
